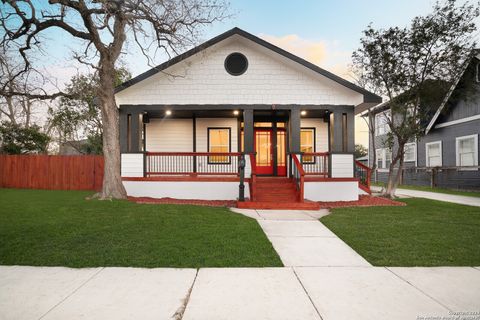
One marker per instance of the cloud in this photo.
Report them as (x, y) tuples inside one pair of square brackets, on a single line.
[(326, 54)]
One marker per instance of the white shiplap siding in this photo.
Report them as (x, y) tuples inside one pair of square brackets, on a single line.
[(169, 135), (342, 165), (132, 165)]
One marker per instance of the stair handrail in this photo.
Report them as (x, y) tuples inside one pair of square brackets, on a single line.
[(368, 170), (299, 176)]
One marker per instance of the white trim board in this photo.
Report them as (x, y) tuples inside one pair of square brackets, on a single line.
[(454, 122)]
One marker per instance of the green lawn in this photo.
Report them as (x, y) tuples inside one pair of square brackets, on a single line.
[(423, 233), (439, 190), (60, 228)]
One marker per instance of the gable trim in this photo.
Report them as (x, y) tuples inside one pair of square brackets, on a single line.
[(368, 97), (458, 121), (447, 96)]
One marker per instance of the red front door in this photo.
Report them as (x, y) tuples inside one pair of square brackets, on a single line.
[(264, 149)]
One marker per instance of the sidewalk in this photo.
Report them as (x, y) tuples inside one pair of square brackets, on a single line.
[(471, 201), (327, 293)]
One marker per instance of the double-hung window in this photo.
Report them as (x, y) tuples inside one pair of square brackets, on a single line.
[(467, 151), (410, 154), (384, 158), (219, 142), (381, 123), (307, 143), (433, 152)]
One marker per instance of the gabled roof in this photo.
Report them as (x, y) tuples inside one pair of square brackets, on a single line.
[(368, 97), (448, 95), (431, 96)]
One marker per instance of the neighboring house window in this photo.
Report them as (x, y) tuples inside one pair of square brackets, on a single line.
[(384, 158), (410, 152), (219, 142), (381, 123), (388, 158), (433, 152), (467, 151), (307, 143)]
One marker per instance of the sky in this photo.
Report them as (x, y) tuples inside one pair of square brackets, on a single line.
[(324, 32)]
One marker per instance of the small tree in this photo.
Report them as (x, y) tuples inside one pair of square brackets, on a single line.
[(16, 139), (404, 63), (102, 28), (78, 115)]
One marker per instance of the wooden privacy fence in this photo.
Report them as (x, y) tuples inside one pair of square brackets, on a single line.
[(51, 172)]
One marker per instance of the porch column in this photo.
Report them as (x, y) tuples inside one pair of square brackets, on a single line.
[(135, 132), (343, 134), (294, 127), (248, 131), (123, 132), (337, 136)]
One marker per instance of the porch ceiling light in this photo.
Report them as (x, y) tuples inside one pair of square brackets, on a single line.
[(303, 112), (168, 112), (236, 112)]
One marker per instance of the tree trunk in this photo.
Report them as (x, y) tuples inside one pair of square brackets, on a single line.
[(112, 181), (371, 131), (393, 179)]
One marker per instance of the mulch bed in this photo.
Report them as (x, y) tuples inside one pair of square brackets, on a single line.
[(206, 203), (364, 201)]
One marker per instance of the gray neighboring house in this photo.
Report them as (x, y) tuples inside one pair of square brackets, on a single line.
[(448, 154)]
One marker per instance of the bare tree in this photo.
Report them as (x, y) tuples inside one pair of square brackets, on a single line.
[(103, 27), (18, 109)]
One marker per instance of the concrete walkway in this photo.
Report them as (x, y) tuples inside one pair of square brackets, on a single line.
[(327, 293), (471, 201), (302, 241)]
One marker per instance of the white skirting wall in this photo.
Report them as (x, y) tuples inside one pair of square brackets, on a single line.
[(198, 190), (331, 190)]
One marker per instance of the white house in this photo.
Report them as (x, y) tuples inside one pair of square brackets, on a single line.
[(188, 125)]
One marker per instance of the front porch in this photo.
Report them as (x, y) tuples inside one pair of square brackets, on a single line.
[(262, 156)]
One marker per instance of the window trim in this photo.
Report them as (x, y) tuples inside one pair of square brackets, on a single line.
[(475, 152), (235, 74), (314, 142), (387, 130), (384, 151), (229, 144), (439, 142), (414, 152)]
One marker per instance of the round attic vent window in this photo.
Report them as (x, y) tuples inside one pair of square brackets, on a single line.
[(236, 64)]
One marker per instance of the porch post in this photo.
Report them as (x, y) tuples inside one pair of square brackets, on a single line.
[(343, 123), (294, 130), (337, 136), (135, 132), (248, 131), (123, 131)]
